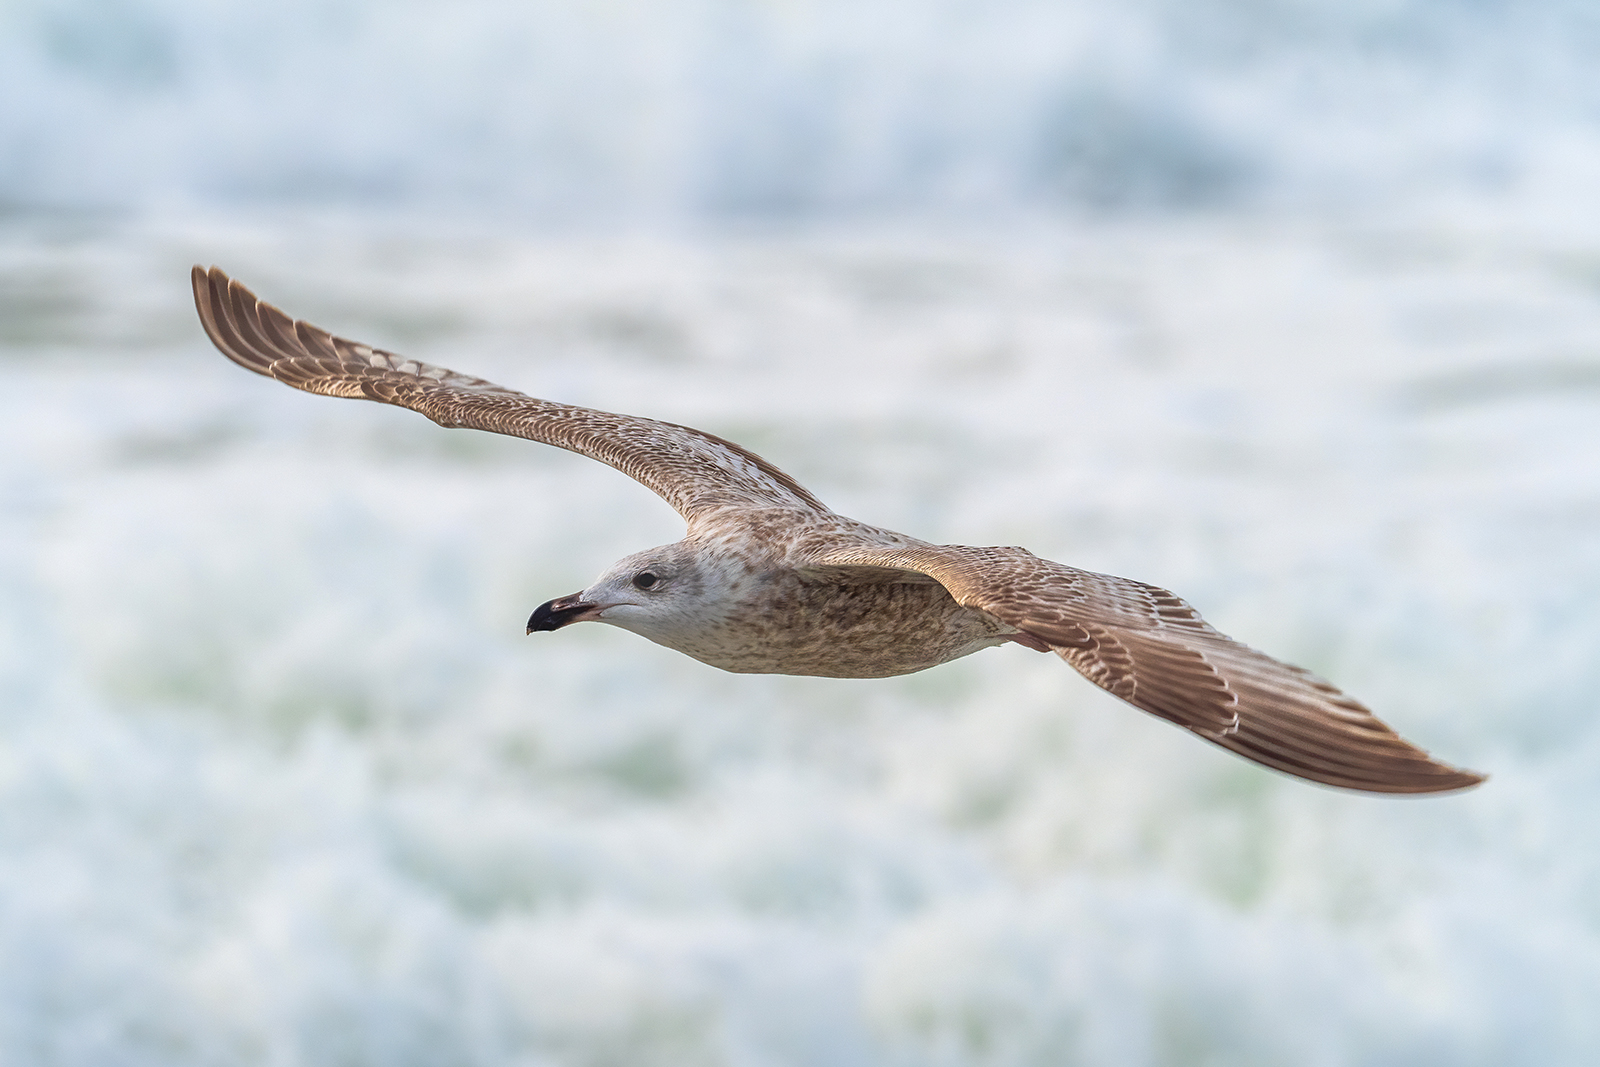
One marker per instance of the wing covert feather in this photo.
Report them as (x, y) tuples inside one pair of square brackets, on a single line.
[(694, 471), (1150, 648)]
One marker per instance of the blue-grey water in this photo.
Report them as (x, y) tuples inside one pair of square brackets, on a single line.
[(607, 109), (1294, 309)]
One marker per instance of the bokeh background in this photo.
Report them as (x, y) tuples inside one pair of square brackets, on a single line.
[(1291, 306)]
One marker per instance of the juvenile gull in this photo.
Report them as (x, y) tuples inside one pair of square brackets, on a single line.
[(770, 581)]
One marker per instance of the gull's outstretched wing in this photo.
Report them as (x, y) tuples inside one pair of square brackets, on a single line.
[(693, 471), (1153, 650)]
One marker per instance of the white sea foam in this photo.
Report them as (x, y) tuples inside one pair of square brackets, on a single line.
[(576, 108), (283, 783)]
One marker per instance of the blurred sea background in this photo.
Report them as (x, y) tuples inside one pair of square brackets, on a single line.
[(1288, 305)]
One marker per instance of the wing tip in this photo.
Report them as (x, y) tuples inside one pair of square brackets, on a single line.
[(224, 306), (1452, 780), (1422, 776)]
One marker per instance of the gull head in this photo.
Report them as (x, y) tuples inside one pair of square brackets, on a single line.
[(664, 594)]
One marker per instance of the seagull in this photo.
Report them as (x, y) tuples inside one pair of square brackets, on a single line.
[(769, 580)]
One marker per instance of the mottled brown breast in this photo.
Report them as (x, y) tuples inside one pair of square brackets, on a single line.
[(788, 624)]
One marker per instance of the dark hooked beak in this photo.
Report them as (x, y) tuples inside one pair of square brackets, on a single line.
[(557, 613)]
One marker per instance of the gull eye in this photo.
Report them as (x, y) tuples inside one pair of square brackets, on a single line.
[(644, 580)]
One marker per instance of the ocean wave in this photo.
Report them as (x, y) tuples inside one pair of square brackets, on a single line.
[(580, 109)]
